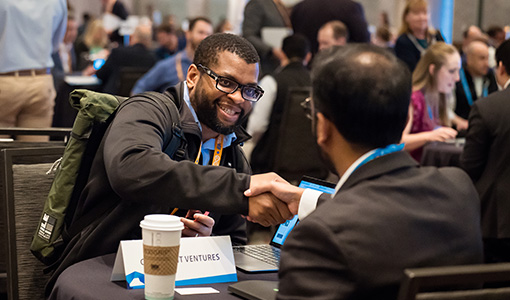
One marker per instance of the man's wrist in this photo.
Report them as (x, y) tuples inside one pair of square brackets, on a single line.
[(308, 202)]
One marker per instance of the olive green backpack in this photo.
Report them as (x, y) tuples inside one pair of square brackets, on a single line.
[(95, 113)]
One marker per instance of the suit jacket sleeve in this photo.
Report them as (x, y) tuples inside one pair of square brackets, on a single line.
[(478, 141), (139, 171), (358, 27), (313, 265)]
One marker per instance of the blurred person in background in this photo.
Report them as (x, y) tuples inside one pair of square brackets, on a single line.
[(266, 118), (118, 10), (308, 17), (172, 70), (383, 38), (138, 54), (93, 44), (415, 35), (477, 81), (30, 32), (64, 58), (168, 42), (86, 18), (333, 33), (224, 26), (496, 35), (433, 82), (265, 13)]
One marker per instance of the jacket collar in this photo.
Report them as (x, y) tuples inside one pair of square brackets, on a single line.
[(380, 166)]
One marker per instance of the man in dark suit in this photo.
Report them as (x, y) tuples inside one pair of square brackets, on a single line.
[(486, 158), (476, 81), (308, 16), (387, 213), (137, 55)]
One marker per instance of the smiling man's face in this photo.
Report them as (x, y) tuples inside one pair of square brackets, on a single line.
[(215, 109)]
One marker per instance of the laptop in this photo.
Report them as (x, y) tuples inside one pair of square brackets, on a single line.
[(255, 289), (266, 258), (273, 36)]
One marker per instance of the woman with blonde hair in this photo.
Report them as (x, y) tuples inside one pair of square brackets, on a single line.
[(433, 81), (93, 43), (415, 35)]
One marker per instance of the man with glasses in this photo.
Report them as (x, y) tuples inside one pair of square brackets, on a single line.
[(387, 213), (133, 173)]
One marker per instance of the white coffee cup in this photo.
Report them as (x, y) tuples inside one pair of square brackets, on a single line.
[(161, 236)]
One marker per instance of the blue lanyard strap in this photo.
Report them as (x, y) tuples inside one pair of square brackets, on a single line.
[(431, 115), (466, 89), (382, 151)]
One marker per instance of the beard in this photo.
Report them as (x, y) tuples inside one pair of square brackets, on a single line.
[(207, 113)]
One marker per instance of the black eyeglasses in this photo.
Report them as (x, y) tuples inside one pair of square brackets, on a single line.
[(226, 85)]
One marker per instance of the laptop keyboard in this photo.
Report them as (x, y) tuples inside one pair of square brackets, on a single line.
[(265, 253)]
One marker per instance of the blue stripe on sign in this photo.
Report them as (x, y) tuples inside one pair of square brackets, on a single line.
[(207, 280)]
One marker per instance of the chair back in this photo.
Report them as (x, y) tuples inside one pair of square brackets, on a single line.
[(59, 133), (297, 153), (127, 78), (457, 282), (25, 186)]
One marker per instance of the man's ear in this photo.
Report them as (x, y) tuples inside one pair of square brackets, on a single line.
[(323, 130), (192, 76), (501, 68)]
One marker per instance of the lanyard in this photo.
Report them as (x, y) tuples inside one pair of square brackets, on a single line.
[(466, 89), (380, 152), (218, 151), (431, 115)]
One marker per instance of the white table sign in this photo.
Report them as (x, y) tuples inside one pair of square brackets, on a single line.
[(202, 260)]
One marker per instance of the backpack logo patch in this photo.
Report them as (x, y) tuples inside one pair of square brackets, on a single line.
[(46, 227)]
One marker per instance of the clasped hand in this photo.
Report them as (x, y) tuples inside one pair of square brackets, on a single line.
[(272, 200)]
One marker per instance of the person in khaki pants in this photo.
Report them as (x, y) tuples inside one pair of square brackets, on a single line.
[(29, 34)]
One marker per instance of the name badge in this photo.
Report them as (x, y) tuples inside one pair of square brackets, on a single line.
[(202, 260)]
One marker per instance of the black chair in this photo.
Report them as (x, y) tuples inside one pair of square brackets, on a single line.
[(297, 152), (24, 187), (456, 282), (62, 134), (127, 78)]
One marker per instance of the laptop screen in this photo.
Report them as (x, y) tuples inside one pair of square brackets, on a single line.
[(309, 183)]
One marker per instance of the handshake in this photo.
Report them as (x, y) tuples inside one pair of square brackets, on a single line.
[(272, 200)]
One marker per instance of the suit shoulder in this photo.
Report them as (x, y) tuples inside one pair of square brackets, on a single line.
[(496, 102)]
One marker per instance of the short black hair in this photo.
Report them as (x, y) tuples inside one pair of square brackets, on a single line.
[(296, 46), (194, 21), (208, 50), (365, 91), (503, 55)]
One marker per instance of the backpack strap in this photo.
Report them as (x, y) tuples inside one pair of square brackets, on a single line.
[(175, 147)]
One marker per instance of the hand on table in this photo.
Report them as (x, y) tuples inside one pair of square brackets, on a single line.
[(442, 134), (197, 224)]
